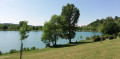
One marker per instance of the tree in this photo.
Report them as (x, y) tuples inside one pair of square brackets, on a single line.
[(23, 32), (71, 15), (52, 30), (110, 28), (5, 27)]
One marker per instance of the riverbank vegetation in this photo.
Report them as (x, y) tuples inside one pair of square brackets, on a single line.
[(81, 50), (99, 23), (16, 27)]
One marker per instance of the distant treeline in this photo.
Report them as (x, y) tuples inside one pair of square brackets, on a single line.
[(15, 27), (96, 25)]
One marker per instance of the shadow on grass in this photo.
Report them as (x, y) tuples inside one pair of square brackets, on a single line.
[(61, 46), (70, 44), (77, 43)]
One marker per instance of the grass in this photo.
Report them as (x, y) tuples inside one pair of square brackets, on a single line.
[(108, 49)]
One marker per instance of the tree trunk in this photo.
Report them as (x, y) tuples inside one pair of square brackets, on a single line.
[(70, 41), (55, 42), (21, 50)]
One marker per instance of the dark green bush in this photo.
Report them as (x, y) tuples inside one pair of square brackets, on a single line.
[(47, 44), (25, 49), (112, 36), (0, 53), (87, 38), (119, 34), (33, 48), (96, 38), (13, 51), (28, 49), (106, 36), (103, 38)]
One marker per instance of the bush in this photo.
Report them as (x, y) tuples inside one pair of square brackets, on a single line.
[(109, 28), (103, 38), (13, 51), (47, 44), (106, 36), (112, 36), (33, 48), (28, 49), (119, 34), (0, 53), (25, 49), (81, 37), (87, 38), (96, 38)]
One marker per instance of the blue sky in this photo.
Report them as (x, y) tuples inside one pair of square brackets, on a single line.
[(36, 12)]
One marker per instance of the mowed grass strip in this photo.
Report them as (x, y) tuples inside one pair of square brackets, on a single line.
[(108, 49)]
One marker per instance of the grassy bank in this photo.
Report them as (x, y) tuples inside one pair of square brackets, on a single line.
[(108, 49)]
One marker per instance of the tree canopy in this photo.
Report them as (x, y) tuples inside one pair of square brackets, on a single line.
[(110, 28), (71, 15), (52, 30)]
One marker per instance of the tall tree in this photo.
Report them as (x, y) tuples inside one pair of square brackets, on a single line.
[(23, 32), (71, 15), (52, 30)]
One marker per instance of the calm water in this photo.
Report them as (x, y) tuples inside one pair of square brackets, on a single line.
[(10, 39)]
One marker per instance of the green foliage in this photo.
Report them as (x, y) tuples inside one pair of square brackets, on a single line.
[(52, 30), (5, 27), (119, 34), (25, 49), (110, 28), (16, 27), (98, 24), (96, 38), (28, 49), (87, 38), (71, 15), (1, 53), (23, 29), (33, 48), (13, 51), (81, 37)]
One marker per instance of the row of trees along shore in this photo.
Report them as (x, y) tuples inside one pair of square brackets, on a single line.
[(16, 27), (99, 23)]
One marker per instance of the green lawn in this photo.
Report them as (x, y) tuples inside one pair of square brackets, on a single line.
[(108, 49)]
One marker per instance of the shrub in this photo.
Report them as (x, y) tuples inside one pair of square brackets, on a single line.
[(47, 44), (115, 36), (102, 38), (81, 37), (109, 28), (96, 38), (25, 49), (106, 36), (0, 53), (112, 36), (87, 38), (33, 48), (28, 49), (119, 34), (13, 51)]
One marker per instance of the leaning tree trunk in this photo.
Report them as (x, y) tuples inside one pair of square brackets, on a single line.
[(21, 50)]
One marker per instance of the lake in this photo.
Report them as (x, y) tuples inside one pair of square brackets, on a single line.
[(11, 39)]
